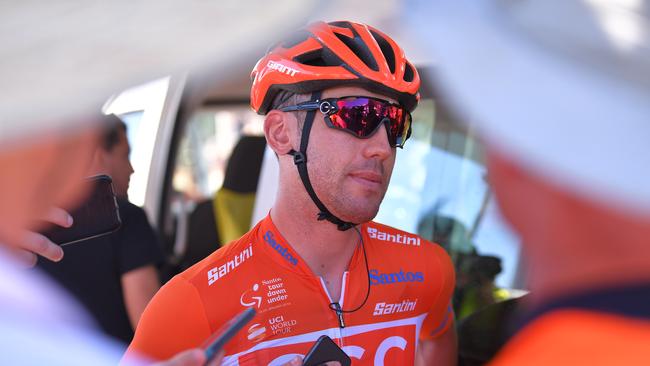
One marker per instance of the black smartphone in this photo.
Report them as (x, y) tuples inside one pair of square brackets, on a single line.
[(219, 338), (323, 351), (98, 215)]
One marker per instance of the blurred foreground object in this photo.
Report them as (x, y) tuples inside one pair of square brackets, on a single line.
[(60, 62), (561, 86), (64, 58), (559, 90)]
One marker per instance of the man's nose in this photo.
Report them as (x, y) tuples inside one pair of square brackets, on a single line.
[(377, 145)]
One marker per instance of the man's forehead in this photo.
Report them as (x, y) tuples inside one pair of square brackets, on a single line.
[(344, 91)]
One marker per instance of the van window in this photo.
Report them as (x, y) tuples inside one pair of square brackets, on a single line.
[(205, 146), (201, 212)]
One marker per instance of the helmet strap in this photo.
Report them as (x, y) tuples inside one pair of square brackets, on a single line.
[(300, 159)]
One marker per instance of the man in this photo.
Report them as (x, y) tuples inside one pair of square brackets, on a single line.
[(561, 98), (113, 276), (43, 166), (337, 99)]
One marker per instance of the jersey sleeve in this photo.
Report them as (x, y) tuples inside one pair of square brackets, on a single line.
[(173, 321), (441, 315)]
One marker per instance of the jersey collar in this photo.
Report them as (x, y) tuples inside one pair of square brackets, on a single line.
[(277, 247)]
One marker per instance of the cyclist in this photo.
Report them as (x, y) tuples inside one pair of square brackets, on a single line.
[(337, 99)]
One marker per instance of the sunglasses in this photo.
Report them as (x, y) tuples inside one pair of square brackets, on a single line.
[(362, 116)]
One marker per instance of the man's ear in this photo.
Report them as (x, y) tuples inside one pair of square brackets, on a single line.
[(279, 129)]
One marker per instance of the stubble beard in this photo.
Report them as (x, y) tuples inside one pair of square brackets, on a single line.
[(336, 195), (356, 210)]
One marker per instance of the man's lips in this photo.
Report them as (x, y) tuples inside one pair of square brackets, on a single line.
[(368, 178)]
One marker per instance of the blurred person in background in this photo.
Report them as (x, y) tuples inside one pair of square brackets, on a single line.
[(113, 276), (43, 166), (560, 91), (478, 288)]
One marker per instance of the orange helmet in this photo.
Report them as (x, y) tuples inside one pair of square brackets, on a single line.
[(324, 55)]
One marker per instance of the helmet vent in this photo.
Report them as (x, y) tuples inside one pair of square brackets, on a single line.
[(342, 24), (315, 58), (386, 49), (357, 46), (408, 73)]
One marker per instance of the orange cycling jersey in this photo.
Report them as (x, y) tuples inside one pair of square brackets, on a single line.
[(411, 283), (578, 337)]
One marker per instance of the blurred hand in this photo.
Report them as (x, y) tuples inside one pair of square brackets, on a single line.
[(30, 243), (193, 357)]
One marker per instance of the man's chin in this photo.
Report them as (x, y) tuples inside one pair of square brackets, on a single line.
[(356, 208), (359, 217)]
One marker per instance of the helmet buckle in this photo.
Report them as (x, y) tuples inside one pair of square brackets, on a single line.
[(299, 158)]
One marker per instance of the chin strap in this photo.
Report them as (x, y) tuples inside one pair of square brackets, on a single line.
[(300, 159)]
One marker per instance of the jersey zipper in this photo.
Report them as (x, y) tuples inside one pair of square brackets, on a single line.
[(339, 312), (338, 305)]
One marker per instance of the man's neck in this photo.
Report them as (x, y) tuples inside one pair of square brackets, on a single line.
[(326, 250)]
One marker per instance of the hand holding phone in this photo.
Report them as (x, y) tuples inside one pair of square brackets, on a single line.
[(219, 338), (98, 215), (324, 351), (31, 244)]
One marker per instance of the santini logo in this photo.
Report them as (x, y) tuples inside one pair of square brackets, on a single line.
[(270, 240), (281, 68), (378, 278), (217, 272), (382, 308), (395, 238)]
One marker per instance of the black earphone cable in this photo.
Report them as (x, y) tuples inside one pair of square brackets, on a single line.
[(335, 306)]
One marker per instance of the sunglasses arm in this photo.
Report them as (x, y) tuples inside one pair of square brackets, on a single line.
[(306, 106)]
